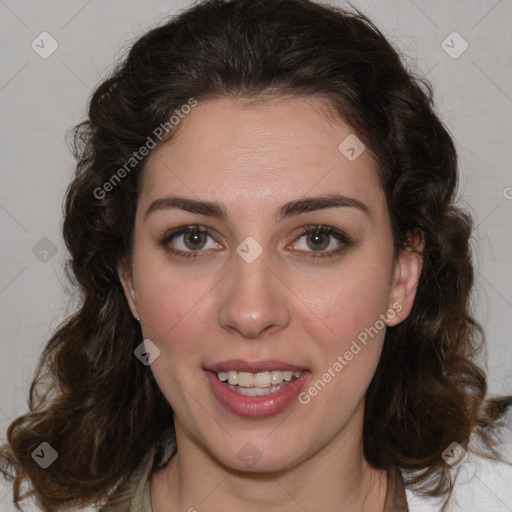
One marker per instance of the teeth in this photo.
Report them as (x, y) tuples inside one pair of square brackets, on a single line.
[(276, 377), (259, 379), (253, 391), (256, 391), (245, 379), (233, 378)]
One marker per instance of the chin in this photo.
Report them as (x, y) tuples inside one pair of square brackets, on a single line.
[(259, 453)]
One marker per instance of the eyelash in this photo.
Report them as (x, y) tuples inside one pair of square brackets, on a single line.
[(317, 228)]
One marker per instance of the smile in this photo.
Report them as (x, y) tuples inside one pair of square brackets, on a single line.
[(259, 379), (265, 391)]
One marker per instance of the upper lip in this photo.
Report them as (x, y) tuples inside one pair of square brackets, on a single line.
[(253, 366)]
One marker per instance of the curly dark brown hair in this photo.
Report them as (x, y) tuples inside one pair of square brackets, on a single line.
[(91, 399)]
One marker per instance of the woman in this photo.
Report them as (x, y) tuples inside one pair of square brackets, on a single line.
[(275, 280)]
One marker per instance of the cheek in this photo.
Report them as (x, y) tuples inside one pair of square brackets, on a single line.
[(174, 316), (352, 310), (172, 308), (347, 356), (352, 302)]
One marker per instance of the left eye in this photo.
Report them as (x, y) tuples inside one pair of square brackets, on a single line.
[(324, 240), (317, 240)]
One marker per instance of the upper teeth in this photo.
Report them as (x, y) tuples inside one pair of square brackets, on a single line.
[(257, 380)]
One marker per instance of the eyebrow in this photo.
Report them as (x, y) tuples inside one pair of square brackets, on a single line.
[(295, 207)]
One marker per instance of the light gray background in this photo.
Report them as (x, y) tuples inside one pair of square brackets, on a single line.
[(40, 99)]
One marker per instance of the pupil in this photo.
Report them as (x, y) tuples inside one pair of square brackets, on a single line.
[(316, 237), (194, 238)]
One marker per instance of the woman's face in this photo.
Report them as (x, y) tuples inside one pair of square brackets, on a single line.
[(254, 295)]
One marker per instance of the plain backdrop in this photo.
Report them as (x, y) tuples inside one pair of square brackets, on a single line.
[(42, 98)]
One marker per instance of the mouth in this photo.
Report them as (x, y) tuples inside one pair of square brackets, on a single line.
[(259, 383), (256, 389)]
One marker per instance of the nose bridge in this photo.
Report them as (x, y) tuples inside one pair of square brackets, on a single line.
[(253, 300)]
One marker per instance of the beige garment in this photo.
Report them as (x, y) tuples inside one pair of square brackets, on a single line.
[(137, 497), (133, 495)]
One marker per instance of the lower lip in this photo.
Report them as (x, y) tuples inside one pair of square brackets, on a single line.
[(256, 406)]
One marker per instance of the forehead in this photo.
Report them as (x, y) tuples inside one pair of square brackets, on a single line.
[(265, 152)]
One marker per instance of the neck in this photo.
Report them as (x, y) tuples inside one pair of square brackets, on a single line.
[(335, 477)]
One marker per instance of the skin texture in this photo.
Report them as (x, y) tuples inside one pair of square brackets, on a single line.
[(303, 310)]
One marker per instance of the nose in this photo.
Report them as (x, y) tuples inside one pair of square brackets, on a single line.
[(254, 301)]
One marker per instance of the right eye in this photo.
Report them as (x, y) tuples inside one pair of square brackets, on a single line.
[(188, 241)]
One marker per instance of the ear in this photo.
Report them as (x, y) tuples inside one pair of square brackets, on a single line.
[(124, 272), (406, 275)]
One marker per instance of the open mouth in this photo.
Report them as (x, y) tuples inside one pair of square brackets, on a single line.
[(256, 389), (259, 383)]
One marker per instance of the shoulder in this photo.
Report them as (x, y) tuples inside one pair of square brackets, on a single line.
[(480, 484), (133, 495)]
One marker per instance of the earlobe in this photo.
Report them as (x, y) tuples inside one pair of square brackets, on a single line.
[(406, 277), (126, 278)]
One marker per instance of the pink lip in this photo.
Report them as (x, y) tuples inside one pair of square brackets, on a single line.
[(240, 365), (256, 406)]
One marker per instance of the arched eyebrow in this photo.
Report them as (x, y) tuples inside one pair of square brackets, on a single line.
[(219, 210)]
